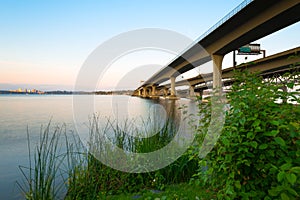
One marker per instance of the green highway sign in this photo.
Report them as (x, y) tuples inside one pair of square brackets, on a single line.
[(249, 49)]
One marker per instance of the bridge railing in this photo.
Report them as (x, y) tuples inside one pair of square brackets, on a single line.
[(214, 27), (219, 23), (225, 18)]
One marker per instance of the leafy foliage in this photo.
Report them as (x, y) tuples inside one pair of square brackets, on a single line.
[(258, 154)]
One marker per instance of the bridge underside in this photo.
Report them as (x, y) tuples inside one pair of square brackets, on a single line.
[(258, 19), (272, 65)]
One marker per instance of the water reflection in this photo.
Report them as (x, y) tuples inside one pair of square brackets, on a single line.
[(151, 122)]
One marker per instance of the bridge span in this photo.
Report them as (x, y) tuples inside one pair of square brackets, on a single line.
[(274, 64), (250, 21)]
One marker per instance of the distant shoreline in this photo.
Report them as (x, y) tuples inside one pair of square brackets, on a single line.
[(60, 92)]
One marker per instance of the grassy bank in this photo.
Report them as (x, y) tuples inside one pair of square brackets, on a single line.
[(61, 167)]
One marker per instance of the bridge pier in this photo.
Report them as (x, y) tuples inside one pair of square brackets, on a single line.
[(217, 72), (153, 92), (192, 91), (145, 92), (142, 92), (201, 95), (173, 91), (284, 89)]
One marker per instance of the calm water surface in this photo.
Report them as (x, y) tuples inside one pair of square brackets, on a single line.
[(19, 112)]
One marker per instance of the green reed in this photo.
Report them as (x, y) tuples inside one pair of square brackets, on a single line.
[(61, 167), (41, 177)]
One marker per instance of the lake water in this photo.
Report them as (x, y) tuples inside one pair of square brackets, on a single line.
[(21, 112)]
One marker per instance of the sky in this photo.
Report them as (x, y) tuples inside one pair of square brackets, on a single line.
[(43, 44)]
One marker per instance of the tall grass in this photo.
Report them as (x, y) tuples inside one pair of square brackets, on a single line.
[(61, 167), (43, 178)]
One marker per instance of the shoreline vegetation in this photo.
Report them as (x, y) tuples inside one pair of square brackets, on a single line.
[(257, 155)]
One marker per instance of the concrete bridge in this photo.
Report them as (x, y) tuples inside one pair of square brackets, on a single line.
[(248, 22), (275, 64)]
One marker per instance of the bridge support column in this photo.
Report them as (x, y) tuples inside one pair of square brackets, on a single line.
[(284, 89), (201, 95), (192, 91), (144, 93), (153, 90), (217, 72), (173, 91)]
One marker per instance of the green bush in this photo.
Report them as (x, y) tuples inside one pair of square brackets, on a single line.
[(258, 153)]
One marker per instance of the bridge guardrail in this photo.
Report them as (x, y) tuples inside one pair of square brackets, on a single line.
[(216, 25), (225, 18)]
